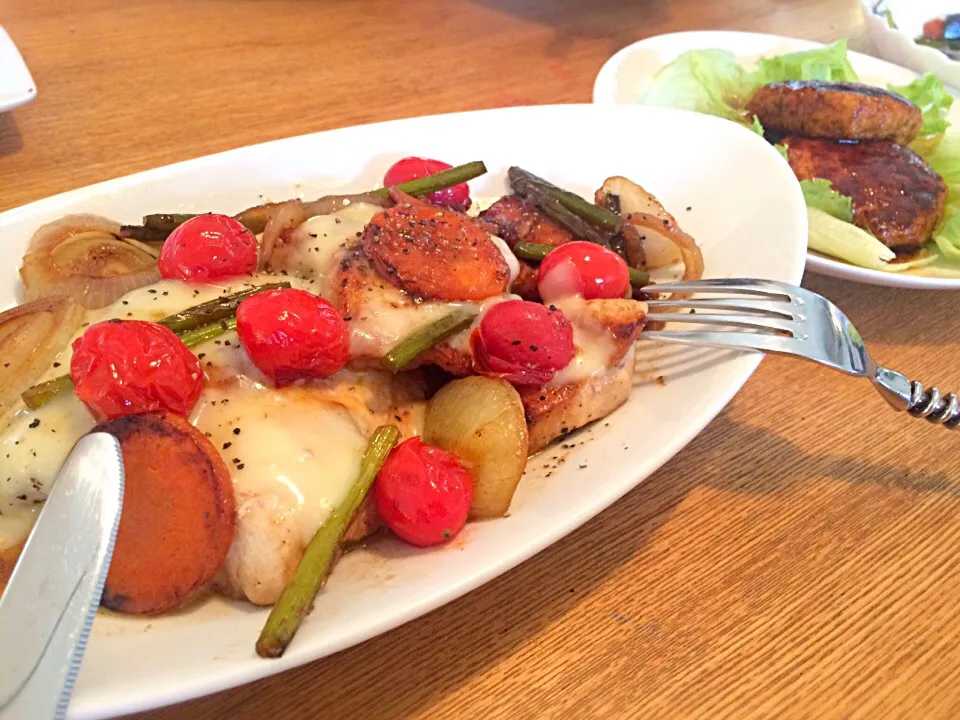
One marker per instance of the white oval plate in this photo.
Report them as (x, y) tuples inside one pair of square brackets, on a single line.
[(729, 189), (899, 45), (16, 85), (623, 75)]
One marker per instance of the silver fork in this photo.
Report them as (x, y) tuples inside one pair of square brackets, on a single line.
[(789, 320)]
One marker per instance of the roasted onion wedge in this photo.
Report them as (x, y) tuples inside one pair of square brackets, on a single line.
[(662, 230), (625, 197), (31, 336), (282, 217), (81, 256)]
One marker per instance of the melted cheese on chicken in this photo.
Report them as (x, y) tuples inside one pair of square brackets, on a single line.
[(594, 346), (388, 316), (301, 444)]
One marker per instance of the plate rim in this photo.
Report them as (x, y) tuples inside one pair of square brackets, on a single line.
[(739, 372), (605, 84), (29, 92)]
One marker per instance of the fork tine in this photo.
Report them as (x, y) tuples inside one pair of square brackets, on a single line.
[(738, 341), (747, 286), (760, 307), (744, 321)]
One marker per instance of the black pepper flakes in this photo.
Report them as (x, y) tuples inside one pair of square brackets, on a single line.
[(227, 445), (236, 431), (35, 423)]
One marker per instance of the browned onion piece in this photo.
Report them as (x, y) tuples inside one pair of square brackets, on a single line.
[(653, 226), (331, 203), (31, 336), (256, 218), (82, 257), (283, 217), (625, 197)]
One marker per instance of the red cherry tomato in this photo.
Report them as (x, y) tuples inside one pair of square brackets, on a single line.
[(207, 247), (124, 367), (423, 493), (414, 168), (583, 268), (292, 334), (522, 342), (933, 29)]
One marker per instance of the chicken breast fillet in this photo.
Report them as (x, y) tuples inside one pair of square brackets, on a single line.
[(896, 196), (840, 111)]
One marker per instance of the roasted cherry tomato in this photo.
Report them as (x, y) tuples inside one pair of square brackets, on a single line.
[(414, 168), (583, 268), (523, 342), (207, 247), (933, 29), (292, 334), (423, 493), (123, 367)]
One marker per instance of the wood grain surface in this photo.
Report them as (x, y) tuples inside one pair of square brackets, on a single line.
[(798, 560)]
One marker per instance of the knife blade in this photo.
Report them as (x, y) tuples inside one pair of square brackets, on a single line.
[(52, 597)]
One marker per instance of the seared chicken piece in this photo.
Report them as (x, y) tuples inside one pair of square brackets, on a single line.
[(517, 220), (897, 197), (557, 409), (848, 111), (554, 411)]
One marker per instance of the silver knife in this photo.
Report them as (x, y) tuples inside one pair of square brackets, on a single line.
[(50, 602)]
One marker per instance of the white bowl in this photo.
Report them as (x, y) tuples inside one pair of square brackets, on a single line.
[(899, 46), (622, 78)]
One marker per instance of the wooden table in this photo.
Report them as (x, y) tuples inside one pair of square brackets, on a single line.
[(798, 559)]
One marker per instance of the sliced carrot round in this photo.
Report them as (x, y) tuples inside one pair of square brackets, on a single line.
[(178, 516), (435, 253)]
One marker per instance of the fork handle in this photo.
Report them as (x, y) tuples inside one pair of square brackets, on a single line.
[(932, 405)]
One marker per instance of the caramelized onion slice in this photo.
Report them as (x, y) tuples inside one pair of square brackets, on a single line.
[(661, 230), (81, 256), (625, 197), (283, 217), (31, 337)]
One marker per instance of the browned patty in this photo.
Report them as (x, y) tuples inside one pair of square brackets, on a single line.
[(841, 111), (896, 196)]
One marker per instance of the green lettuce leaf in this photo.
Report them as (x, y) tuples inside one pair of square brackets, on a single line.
[(947, 238), (829, 63), (821, 195), (945, 159), (708, 81), (928, 94)]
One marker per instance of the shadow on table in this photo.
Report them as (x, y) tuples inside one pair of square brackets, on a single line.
[(10, 139), (733, 467), (425, 660)]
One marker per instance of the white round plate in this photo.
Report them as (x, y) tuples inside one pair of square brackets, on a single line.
[(623, 75), (898, 45), (729, 189)]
